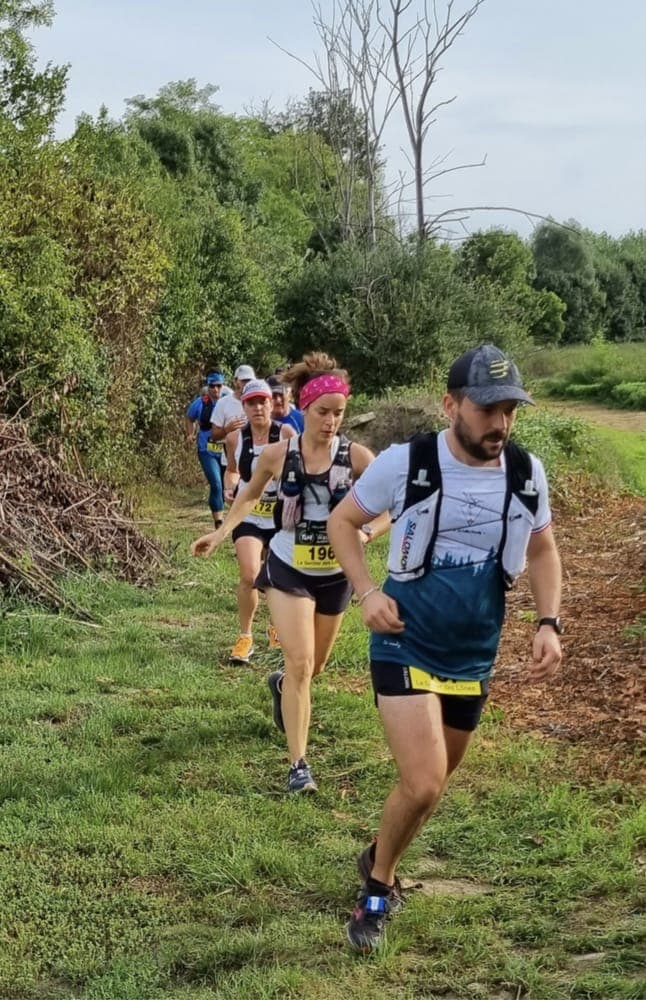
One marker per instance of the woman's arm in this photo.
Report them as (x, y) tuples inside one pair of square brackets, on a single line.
[(268, 466), (231, 472), (544, 569)]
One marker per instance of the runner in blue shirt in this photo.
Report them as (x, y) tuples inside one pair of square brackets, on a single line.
[(283, 410), (198, 415)]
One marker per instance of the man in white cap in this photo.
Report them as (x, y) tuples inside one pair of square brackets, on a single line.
[(228, 414)]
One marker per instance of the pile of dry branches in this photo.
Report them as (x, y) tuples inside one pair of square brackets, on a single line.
[(52, 522)]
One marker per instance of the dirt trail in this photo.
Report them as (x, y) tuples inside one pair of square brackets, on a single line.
[(597, 702), (623, 420)]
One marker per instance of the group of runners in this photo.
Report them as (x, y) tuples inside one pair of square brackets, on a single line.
[(466, 510)]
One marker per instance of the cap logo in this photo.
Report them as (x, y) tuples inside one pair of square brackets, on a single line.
[(499, 368)]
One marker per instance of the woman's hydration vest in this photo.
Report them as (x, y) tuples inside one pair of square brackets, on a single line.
[(293, 480)]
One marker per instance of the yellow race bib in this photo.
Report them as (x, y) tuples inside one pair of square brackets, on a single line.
[(421, 681), (216, 447), (264, 508), (312, 549)]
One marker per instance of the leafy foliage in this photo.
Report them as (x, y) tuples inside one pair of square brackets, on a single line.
[(602, 377), (564, 265), (142, 252)]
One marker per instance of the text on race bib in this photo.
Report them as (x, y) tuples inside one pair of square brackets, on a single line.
[(312, 549)]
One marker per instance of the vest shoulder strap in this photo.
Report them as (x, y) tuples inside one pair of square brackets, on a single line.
[(205, 415), (424, 476), (342, 456), (520, 476)]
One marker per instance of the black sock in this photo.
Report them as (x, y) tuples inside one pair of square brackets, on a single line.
[(376, 888)]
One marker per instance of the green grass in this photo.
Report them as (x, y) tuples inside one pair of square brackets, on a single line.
[(147, 848), (627, 450), (627, 360), (608, 374)]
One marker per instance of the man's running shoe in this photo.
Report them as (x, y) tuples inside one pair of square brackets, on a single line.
[(365, 928), (272, 636), (365, 862), (243, 649), (300, 778), (275, 684)]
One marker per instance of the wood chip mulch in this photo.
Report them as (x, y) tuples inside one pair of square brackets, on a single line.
[(597, 702)]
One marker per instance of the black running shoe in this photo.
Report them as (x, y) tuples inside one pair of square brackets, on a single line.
[(366, 927), (300, 778), (365, 862), (275, 682)]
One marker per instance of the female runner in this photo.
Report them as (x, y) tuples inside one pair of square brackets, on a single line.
[(251, 537), (306, 591)]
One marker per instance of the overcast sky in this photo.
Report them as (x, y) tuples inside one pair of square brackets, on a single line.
[(552, 92)]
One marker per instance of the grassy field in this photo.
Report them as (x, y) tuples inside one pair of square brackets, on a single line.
[(147, 848), (609, 374), (627, 360)]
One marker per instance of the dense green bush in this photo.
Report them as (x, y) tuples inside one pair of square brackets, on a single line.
[(559, 441), (394, 314), (599, 373), (630, 395)]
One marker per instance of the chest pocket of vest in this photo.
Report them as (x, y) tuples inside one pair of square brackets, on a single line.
[(415, 530), (520, 522)]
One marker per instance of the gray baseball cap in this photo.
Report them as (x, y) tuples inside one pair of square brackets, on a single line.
[(487, 375)]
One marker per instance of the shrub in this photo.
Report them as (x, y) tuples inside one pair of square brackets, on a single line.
[(630, 395)]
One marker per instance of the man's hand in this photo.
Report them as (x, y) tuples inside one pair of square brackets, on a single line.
[(235, 424), (207, 544), (547, 655), (381, 614)]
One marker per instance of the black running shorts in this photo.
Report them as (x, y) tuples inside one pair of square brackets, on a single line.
[(459, 711), (245, 530), (331, 594)]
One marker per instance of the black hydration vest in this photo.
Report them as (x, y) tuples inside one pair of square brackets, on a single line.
[(294, 478), (425, 478), (205, 415), (247, 453)]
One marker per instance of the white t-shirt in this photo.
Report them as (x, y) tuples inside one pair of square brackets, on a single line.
[(453, 614), (470, 525), (227, 408)]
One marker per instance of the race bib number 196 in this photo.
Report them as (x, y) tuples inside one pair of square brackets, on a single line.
[(312, 549)]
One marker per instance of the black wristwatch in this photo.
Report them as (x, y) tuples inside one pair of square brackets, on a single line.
[(554, 622)]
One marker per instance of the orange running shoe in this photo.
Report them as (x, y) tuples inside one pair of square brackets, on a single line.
[(243, 649)]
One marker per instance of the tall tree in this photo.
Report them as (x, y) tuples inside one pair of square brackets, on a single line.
[(30, 99), (565, 266), (349, 110), (504, 263), (386, 56), (418, 45)]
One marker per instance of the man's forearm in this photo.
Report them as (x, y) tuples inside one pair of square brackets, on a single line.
[(545, 582), (349, 551)]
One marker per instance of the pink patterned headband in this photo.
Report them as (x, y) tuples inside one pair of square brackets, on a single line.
[(319, 386)]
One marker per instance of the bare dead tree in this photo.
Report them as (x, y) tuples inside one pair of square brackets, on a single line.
[(353, 72), (417, 49), (384, 56)]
